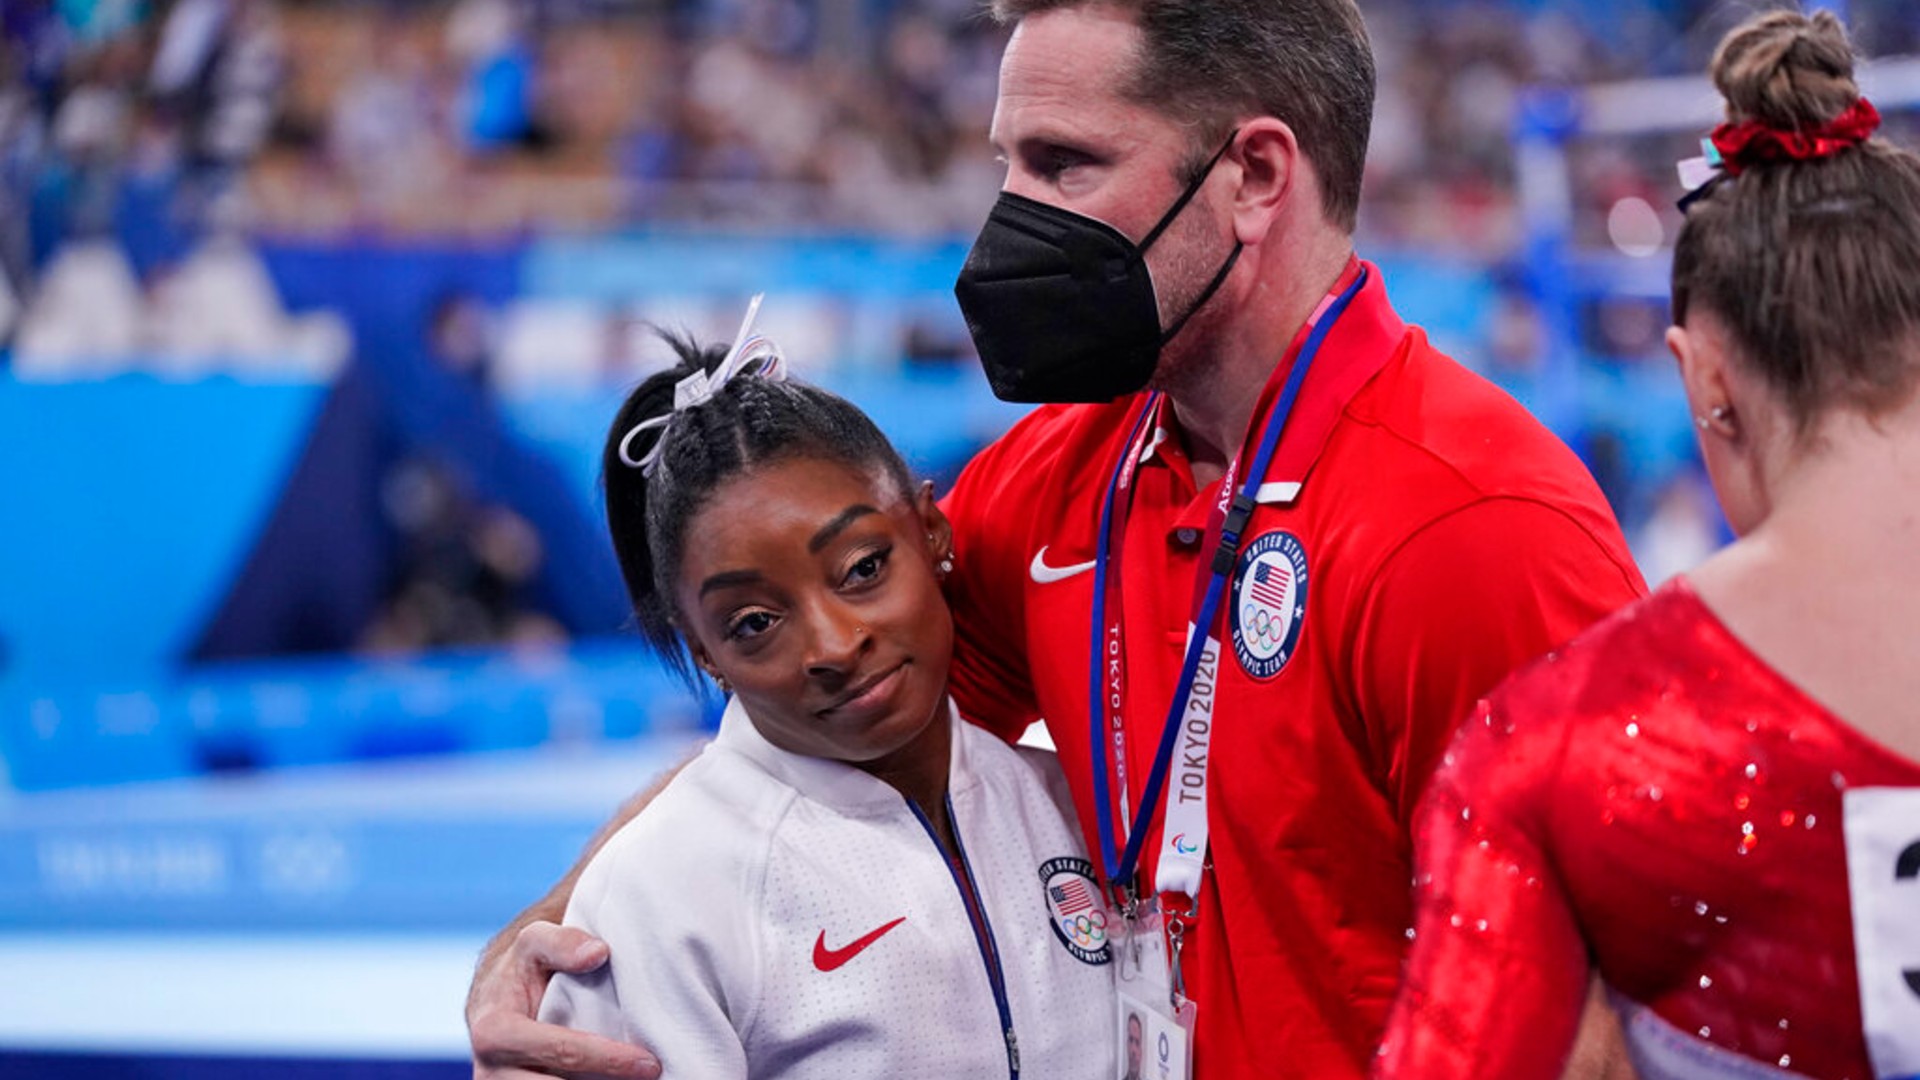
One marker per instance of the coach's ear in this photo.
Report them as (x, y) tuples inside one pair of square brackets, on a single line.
[(1271, 178)]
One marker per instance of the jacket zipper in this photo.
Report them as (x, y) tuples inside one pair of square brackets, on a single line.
[(982, 929)]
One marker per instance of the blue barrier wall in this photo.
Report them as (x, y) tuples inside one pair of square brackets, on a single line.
[(131, 506)]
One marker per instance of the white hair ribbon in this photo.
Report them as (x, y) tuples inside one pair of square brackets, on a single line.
[(1698, 175), (751, 355), (1698, 171)]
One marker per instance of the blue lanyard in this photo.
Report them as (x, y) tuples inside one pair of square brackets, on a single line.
[(1120, 867)]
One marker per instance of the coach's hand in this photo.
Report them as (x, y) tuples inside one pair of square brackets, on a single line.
[(509, 1043)]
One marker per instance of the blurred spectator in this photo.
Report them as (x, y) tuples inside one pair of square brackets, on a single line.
[(89, 134), (460, 338), (465, 571), (1516, 339), (216, 75), (385, 134), (9, 314), (491, 39), (21, 134), (1685, 527), (94, 21)]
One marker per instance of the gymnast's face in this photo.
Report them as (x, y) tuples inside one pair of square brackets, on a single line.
[(809, 586)]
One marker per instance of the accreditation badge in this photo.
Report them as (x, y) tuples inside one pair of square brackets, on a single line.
[(1155, 1033)]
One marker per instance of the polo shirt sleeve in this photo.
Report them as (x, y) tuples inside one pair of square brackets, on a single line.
[(990, 679), (1461, 603)]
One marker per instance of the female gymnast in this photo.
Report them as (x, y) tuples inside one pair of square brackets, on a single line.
[(850, 881), (1713, 798)]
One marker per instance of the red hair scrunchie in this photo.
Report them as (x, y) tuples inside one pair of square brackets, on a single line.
[(1752, 143)]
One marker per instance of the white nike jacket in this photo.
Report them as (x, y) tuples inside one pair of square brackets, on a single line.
[(774, 915)]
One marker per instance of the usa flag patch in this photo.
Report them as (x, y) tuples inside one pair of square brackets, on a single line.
[(1269, 603), (1078, 909)]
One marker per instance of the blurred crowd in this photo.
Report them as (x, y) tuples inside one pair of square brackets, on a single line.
[(474, 116)]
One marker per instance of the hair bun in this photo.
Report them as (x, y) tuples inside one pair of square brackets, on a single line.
[(1787, 70)]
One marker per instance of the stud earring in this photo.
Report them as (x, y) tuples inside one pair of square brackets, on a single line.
[(1719, 414), (946, 565)]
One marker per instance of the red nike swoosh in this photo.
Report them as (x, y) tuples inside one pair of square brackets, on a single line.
[(829, 959)]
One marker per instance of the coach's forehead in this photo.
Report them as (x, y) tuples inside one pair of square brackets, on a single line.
[(1066, 68)]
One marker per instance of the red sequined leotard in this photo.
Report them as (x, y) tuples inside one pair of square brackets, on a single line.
[(1656, 803)]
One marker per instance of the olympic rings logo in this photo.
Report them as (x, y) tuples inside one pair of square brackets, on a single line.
[(1088, 931), (1270, 628)]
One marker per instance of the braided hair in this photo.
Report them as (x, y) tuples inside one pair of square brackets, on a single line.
[(749, 422)]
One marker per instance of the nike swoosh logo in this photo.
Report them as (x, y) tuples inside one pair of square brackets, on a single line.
[(1047, 575), (831, 959)]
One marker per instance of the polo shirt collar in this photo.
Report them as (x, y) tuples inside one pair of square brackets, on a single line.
[(1367, 336), (833, 783)]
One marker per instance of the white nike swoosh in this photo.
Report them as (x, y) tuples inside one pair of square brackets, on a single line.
[(1047, 575)]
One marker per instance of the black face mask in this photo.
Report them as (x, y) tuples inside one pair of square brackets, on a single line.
[(1061, 306)]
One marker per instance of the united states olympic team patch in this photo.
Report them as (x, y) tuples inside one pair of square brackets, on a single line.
[(1269, 603), (1079, 911)]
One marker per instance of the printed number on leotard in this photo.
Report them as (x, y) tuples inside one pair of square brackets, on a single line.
[(1883, 883)]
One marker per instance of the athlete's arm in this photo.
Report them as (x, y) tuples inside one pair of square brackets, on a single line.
[(1498, 974), (678, 973), (507, 1042)]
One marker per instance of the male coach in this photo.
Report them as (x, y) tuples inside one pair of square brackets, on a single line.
[(1366, 536)]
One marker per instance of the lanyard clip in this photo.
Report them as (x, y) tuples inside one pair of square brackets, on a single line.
[(1176, 941), (1238, 515)]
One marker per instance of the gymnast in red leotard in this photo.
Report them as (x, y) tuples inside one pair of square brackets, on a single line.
[(1712, 799)]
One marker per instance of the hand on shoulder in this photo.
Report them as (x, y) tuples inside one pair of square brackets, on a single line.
[(510, 1044)]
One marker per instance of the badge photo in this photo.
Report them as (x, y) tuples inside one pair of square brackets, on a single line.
[(1269, 603), (1077, 909), (1153, 1045)]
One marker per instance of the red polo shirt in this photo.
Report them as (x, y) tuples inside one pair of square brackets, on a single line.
[(1446, 538)]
